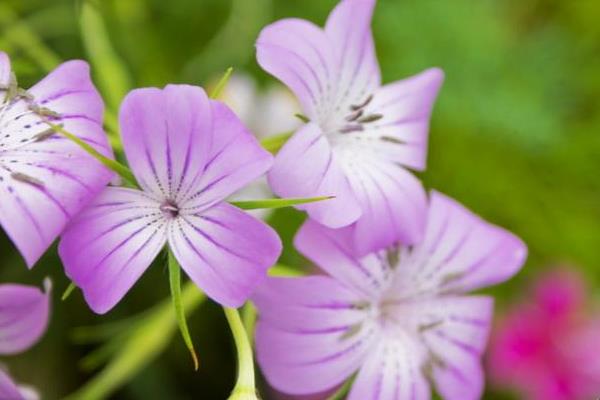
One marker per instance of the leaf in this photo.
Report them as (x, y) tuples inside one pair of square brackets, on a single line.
[(276, 203)]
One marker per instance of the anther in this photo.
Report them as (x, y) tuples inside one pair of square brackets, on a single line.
[(370, 118), (21, 177), (355, 107), (169, 209), (354, 116), (44, 135), (352, 128)]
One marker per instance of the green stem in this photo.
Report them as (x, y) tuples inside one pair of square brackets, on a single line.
[(175, 282), (245, 382), (109, 163), (276, 203), (68, 291), (274, 143)]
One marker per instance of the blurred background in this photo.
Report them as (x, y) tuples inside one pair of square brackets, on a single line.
[(515, 137)]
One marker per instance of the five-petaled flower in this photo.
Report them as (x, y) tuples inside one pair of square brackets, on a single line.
[(24, 312), (361, 136), (45, 179), (188, 154), (398, 317)]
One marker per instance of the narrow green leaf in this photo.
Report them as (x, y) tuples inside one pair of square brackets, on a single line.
[(221, 84), (276, 203), (113, 78), (68, 291), (343, 391), (175, 281), (274, 143), (111, 164)]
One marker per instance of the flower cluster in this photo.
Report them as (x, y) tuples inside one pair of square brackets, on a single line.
[(391, 310)]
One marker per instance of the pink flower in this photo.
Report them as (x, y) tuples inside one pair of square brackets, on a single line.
[(188, 154), (45, 179), (362, 137), (397, 318), (547, 348)]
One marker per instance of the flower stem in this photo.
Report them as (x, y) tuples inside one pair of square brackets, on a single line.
[(109, 163), (175, 281), (245, 382), (276, 203)]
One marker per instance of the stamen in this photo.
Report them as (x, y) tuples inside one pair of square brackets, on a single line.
[(351, 331), (169, 209), (370, 118), (302, 118), (354, 116), (44, 135), (21, 177), (431, 325), (24, 94), (391, 139), (352, 128), (359, 106), (43, 111)]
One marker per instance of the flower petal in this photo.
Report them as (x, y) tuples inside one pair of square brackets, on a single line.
[(307, 167), (235, 160), (24, 314), (299, 54), (225, 251), (304, 363), (460, 251), (401, 134), (8, 389), (109, 246), (393, 203), (331, 250), (308, 305), (349, 31), (392, 371), (46, 179), (167, 136)]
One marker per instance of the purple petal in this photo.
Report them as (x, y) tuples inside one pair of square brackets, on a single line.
[(304, 363), (349, 31), (46, 180), (308, 305), (24, 314), (225, 251), (401, 135), (109, 246), (167, 136), (307, 167), (331, 250), (8, 389), (235, 160), (300, 55), (461, 252), (392, 371), (393, 203)]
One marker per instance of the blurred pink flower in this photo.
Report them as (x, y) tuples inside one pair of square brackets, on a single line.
[(547, 348)]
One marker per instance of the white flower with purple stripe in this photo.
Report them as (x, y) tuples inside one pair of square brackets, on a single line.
[(395, 319), (46, 179), (362, 137)]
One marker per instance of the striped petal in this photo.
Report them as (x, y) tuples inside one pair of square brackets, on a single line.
[(305, 364), (235, 160), (460, 252), (45, 179), (307, 167), (24, 314), (167, 136), (225, 251), (392, 371), (109, 246)]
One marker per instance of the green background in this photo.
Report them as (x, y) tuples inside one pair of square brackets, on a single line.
[(515, 136)]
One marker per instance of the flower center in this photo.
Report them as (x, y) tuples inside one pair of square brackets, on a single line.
[(169, 209), (358, 117)]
